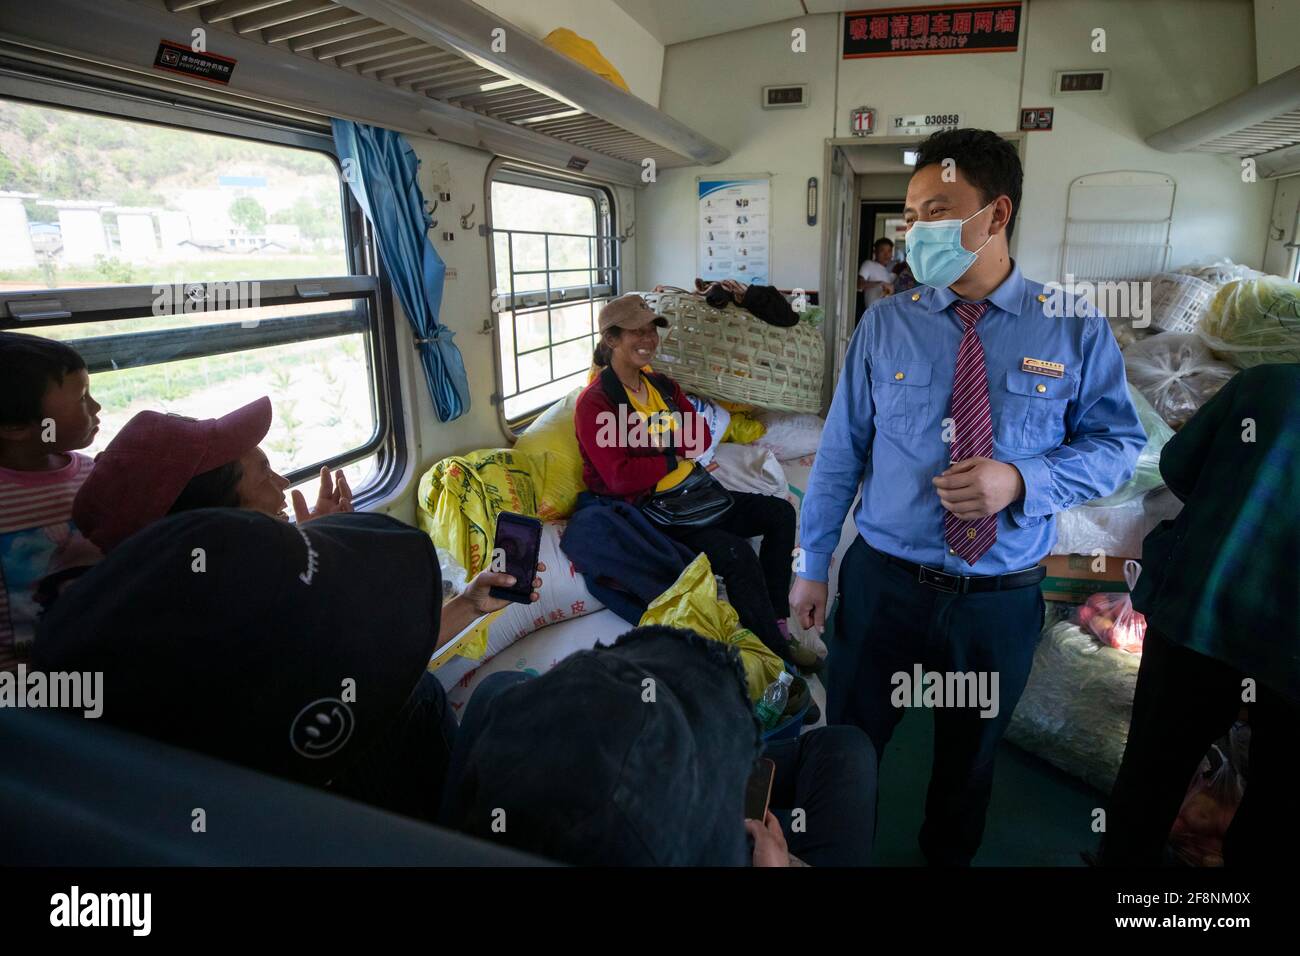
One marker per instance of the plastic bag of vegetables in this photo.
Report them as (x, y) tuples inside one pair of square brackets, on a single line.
[(1146, 475), (1254, 321), (1177, 373), (1075, 709)]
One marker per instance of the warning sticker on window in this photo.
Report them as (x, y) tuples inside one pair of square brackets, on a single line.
[(179, 58)]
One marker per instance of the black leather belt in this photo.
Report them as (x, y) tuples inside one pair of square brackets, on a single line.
[(967, 583)]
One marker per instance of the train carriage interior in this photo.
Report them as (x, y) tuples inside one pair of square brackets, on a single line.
[(358, 290)]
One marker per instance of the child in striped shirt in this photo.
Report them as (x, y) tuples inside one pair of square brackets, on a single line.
[(46, 412)]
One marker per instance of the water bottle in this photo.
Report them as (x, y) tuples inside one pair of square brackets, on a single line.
[(771, 705)]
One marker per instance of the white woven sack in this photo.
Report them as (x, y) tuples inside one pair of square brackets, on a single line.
[(563, 596)]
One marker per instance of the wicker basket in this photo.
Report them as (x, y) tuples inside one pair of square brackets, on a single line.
[(729, 354), (1179, 301)]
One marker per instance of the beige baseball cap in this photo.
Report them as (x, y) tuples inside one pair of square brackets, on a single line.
[(629, 312)]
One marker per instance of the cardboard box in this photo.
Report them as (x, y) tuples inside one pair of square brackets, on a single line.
[(1071, 578)]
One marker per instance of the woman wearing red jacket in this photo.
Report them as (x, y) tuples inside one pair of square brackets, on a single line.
[(625, 420)]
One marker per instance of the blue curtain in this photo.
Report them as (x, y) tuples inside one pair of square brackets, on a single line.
[(380, 168)]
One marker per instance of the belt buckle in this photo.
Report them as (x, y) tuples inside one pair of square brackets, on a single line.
[(937, 579)]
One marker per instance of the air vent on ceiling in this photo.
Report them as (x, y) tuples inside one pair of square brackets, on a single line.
[(1262, 123)]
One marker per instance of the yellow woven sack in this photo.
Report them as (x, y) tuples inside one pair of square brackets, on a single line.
[(692, 602), (582, 50), (552, 444), (734, 407), (458, 502), (742, 430)]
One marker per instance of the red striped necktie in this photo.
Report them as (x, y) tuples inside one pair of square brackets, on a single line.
[(972, 433)]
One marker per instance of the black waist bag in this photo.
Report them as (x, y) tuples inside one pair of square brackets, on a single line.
[(696, 502)]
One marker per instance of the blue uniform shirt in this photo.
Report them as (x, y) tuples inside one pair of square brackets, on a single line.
[(1073, 438)]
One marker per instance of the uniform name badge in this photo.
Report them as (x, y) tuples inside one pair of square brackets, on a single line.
[(1042, 367)]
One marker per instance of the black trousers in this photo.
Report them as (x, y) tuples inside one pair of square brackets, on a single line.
[(758, 586), (404, 768), (1183, 703), (886, 624), (829, 774)]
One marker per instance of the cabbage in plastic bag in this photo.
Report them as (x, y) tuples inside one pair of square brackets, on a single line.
[(1177, 373), (1076, 707), (1146, 475), (1254, 321)]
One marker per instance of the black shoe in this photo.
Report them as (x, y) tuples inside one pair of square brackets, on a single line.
[(800, 695), (804, 658), (814, 714)]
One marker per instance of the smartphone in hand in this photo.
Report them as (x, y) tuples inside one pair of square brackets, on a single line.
[(514, 552), (758, 791)]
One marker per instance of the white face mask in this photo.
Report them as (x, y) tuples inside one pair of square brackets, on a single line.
[(935, 252)]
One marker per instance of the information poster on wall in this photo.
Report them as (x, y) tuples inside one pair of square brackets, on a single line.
[(734, 220)]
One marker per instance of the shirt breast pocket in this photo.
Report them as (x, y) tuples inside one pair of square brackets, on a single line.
[(901, 393), (1033, 411)]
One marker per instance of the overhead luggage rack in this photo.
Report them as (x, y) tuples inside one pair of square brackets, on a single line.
[(486, 82), (1263, 123)]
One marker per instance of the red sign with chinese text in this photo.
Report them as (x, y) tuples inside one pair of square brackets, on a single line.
[(951, 28)]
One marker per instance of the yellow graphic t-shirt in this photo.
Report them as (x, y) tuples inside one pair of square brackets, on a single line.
[(657, 423)]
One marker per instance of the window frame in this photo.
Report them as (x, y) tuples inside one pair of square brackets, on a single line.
[(522, 174), (366, 282)]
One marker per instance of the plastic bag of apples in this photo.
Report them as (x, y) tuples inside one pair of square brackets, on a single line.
[(1212, 800), (1110, 617)]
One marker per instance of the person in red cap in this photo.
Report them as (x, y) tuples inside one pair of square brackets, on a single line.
[(161, 464)]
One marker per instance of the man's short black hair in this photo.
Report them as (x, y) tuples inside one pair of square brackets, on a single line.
[(989, 162), (882, 241), (28, 366)]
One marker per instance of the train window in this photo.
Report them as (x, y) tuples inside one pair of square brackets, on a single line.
[(196, 272), (554, 264)]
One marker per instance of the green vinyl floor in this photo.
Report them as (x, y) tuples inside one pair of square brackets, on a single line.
[(1038, 816)]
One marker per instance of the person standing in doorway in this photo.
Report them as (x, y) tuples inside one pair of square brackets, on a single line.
[(875, 278), (967, 415)]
